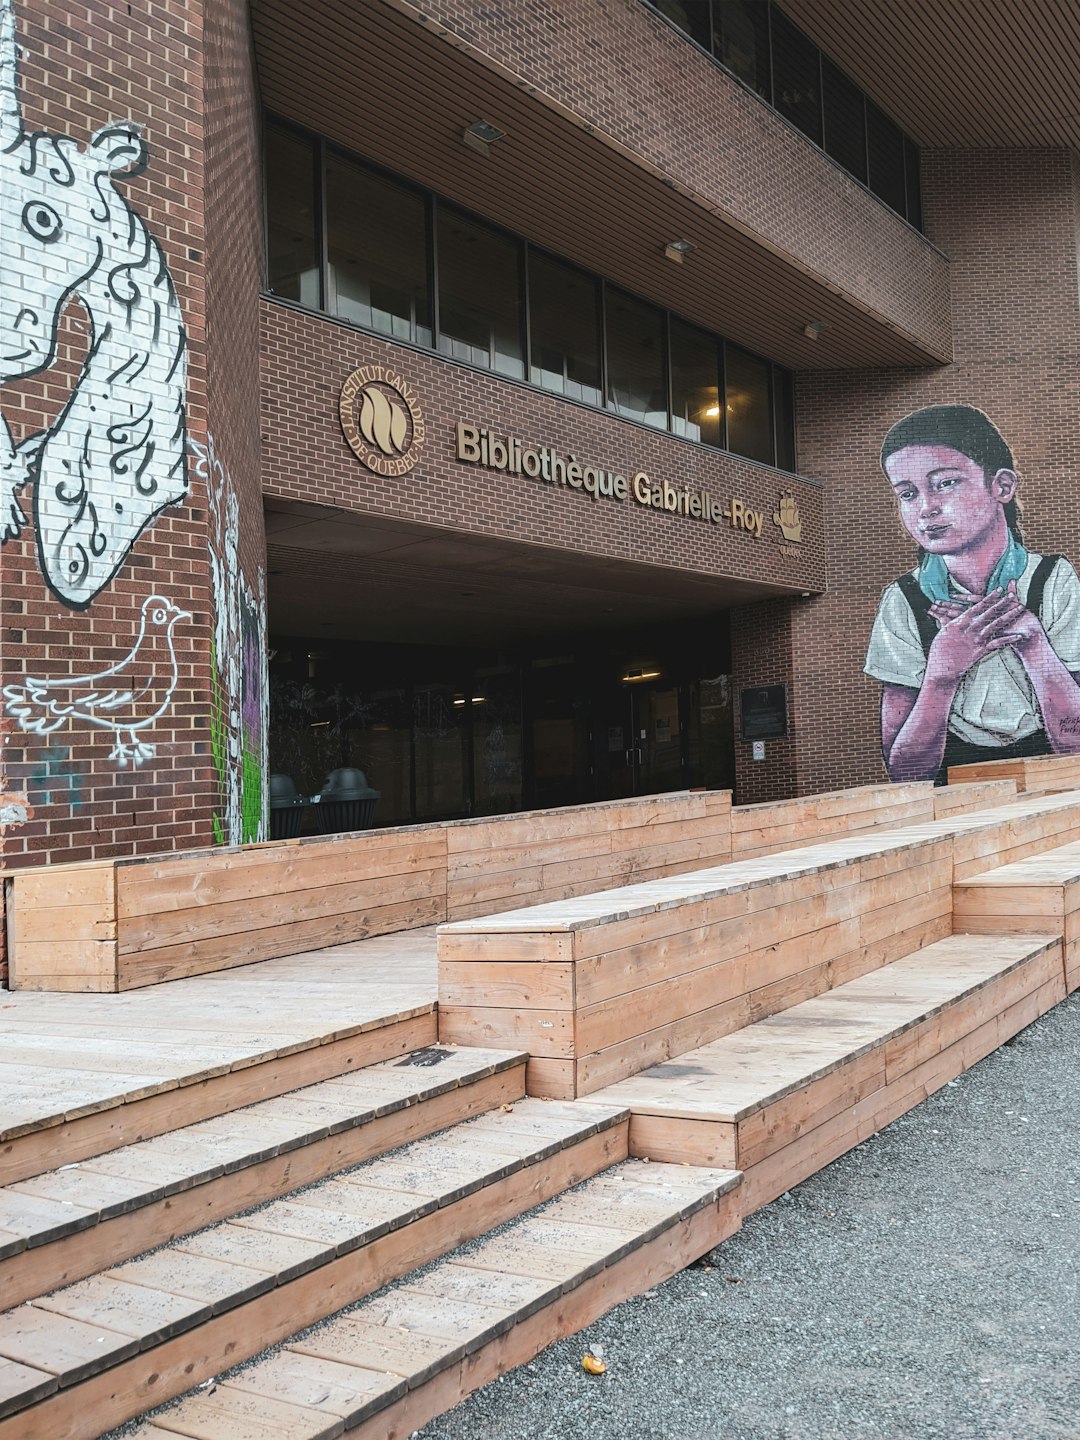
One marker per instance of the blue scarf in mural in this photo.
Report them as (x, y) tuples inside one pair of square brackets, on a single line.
[(934, 573)]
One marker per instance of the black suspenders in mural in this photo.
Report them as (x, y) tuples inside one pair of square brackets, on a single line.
[(920, 604)]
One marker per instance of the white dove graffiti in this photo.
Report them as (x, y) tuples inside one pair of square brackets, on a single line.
[(115, 456), (126, 699)]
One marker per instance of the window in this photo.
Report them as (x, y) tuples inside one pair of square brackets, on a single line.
[(386, 242), (691, 16), (636, 384), (479, 294), (695, 384), (885, 147), (784, 418), (796, 78), (757, 42), (376, 250), (845, 120), (292, 248), (564, 325), (742, 42), (747, 403)]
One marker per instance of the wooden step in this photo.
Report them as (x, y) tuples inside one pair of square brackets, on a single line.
[(78, 1088), (782, 1098), (386, 1367), (125, 1340), (1039, 893), (65, 1224)]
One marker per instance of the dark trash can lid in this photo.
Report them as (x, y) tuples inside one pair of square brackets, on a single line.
[(348, 784), (282, 791)]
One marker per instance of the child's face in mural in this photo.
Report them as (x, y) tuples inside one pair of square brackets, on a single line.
[(947, 502)]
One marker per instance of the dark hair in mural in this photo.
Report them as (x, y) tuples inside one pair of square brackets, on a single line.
[(965, 429), (977, 648)]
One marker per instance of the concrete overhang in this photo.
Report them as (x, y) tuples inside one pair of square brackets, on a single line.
[(608, 170)]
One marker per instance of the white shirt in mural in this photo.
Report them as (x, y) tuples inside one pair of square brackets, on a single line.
[(995, 702)]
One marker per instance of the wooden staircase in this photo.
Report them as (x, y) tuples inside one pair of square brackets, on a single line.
[(348, 1223)]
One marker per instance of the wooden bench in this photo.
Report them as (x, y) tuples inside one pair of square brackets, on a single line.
[(774, 825), (601, 987), (118, 924), (1036, 774), (1041, 892), (782, 1098)]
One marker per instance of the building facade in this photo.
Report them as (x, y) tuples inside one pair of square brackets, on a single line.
[(492, 399)]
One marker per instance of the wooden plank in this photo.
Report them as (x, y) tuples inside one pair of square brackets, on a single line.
[(126, 1390), (123, 1122), (231, 1413), (22, 1386), (524, 985)]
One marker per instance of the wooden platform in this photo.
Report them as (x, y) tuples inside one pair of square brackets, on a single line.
[(780, 1099), (85, 1073), (1041, 892), (167, 1211)]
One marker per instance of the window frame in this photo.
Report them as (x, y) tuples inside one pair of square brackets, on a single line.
[(322, 146)]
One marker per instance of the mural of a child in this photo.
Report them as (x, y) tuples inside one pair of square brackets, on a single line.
[(978, 647)]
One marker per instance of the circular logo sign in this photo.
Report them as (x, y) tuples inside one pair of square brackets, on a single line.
[(382, 420)]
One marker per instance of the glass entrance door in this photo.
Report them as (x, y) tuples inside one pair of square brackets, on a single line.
[(640, 741)]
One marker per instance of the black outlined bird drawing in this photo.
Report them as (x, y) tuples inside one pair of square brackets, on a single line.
[(126, 699)]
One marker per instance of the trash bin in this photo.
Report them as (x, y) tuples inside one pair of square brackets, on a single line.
[(286, 808), (347, 802)]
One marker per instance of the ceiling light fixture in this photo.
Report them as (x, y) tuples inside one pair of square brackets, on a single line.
[(481, 135), (814, 329), (678, 250), (633, 676)]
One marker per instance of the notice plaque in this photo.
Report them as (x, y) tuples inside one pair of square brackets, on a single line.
[(764, 712)]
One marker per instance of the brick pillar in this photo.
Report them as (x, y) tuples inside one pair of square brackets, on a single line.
[(122, 547)]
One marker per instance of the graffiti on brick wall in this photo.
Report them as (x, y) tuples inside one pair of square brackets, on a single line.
[(115, 455), (239, 722), (125, 699), (978, 646)]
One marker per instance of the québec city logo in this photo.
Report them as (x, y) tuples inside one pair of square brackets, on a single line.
[(382, 420), (787, 517)]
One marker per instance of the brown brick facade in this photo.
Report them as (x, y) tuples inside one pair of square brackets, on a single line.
[(636, 79), (306, 360), (1007, 220)]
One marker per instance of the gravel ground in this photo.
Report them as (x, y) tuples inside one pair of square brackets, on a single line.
[(925, 1285)]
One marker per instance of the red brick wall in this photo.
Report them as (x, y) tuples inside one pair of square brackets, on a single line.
[(307, 358), (636, 79), (82, 65), (1007, 220)]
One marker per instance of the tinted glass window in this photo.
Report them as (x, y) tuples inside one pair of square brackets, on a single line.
[(564, 319), (911, 178), (691, 16), (784, 417), (845, 122), (796, 85), (746, 395), (376, 246), (292, 253), (885, 144), (742, 41), (479, 294), (635, 354), (695, 384)]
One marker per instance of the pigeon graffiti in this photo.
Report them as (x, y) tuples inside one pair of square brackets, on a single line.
[(127, 699), (239, 723), (115, 456)]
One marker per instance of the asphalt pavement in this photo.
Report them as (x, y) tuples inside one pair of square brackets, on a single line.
[(926, 1286)]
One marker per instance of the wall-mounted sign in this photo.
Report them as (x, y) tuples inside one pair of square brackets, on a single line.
[(382, 420), (510, 455), (764, 712)]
